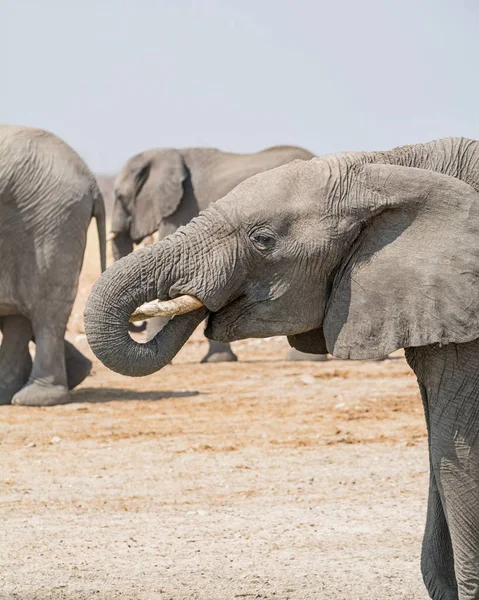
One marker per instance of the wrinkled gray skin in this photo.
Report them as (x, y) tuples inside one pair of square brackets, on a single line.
[(164, 188), (357, 254), (47, 199)]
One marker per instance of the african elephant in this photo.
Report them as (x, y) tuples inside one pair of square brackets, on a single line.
[(358, 254), (164, 188), (47, 199)]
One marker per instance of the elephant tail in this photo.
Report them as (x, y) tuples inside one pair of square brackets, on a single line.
[(99, 214)]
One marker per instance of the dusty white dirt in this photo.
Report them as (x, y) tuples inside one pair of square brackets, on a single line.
[(260, 479)]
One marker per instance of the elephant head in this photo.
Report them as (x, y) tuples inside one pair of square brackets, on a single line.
[(147, 189), (361, 259)]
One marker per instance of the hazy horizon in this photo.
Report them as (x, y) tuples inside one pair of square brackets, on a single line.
[(117, 77)]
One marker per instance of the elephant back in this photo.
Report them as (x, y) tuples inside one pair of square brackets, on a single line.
[(35, 162)]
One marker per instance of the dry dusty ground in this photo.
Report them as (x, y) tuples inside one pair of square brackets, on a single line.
[(261, 479)]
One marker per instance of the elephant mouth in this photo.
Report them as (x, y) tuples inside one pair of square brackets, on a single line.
[(239, 319), (223, 324), (242, 319)]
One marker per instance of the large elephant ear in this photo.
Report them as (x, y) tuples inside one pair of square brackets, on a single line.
[(159, 192), (412, 276)]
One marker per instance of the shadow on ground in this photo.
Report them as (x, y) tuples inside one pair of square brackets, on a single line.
[(331, 359), (97, 395)]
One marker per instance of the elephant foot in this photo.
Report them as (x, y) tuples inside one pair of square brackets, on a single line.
[(78, 367), (41, 394), (217, 357), (381, 358), (219, 352), (439, 589), (7, 392), (296, 355)]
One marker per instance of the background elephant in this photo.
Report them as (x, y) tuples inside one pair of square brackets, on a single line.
[(47, 199), (357, 254), (162, 189)]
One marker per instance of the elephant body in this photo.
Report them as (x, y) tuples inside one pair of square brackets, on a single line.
[(47, 199), (164, 188), (358, 254)]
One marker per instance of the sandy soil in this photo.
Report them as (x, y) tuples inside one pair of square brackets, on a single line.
[(260, 479)]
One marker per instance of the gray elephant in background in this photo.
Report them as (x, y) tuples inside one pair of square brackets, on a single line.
[(47, 199), (358, 254), (161, 189)]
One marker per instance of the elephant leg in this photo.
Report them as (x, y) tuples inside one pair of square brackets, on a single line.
[(449, 377), (15, 359), (47, 384), (77, 365), (219, 352), (456, 469), (437, 560)]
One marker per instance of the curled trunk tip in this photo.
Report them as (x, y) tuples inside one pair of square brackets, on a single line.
[(126, 285)]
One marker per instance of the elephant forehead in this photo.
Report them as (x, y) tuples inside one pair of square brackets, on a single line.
[(124, 179), (284, 193)]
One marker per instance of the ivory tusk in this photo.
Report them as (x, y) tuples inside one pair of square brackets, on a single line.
[(111, 236), (166, 308)]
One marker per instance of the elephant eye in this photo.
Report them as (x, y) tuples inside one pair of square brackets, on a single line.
[(263, 240)]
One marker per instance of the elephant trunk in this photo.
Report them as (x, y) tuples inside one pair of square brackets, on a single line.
[(122, 242), (140, 277), (122, 245)]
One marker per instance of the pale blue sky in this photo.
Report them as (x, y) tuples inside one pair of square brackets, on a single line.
[(114, 77)]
